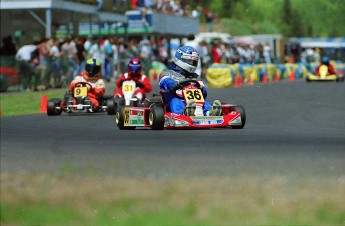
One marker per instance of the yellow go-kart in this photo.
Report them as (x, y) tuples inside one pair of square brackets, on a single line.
[(324, 76)]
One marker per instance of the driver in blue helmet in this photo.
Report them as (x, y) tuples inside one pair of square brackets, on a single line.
[(182, 69)]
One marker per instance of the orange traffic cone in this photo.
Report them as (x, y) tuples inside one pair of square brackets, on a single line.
[(276, 77), (292, 76), (44, 104), (238, 81), (264, 78)]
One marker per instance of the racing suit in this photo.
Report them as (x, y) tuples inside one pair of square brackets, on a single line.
[(143, 84), (172, 93), (331, 70), (97, 91)]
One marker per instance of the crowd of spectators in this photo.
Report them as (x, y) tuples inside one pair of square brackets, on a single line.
[(174, 7), (57, 62)]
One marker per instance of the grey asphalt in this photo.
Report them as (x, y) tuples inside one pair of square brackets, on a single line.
[(294, 129)]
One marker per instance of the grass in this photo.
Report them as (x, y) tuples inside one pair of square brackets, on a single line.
[(43, 199), (15, 103)]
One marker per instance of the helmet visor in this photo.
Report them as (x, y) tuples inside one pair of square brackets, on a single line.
[(92, 69), (135, 68), (191, 60)]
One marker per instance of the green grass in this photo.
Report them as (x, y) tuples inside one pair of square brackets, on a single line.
[(44, 199), (21, 103)]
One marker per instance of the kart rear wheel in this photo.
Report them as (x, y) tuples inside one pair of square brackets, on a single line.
[(120, 119), (111, 107), (156, 117), (241, 110), (52, 107)]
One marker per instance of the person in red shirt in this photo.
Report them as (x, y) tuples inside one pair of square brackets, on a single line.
[(216, 51), (96, 86), (143, 83), (325, 61)]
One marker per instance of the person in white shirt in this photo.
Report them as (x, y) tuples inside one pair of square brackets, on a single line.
[(24, 59)]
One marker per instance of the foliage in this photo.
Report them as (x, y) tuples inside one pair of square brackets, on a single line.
[(292, 18)]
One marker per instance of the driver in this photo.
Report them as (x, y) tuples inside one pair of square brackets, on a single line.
[(92, 75), (325, 61), (183, 67), (143, 82)]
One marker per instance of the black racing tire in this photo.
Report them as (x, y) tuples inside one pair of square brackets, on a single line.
[(156, 117), (52, 107), (111, 107), (120, 119), (241, 110), (118, 101), (340, 79)]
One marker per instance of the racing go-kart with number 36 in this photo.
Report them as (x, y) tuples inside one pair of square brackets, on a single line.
[(152, 113)]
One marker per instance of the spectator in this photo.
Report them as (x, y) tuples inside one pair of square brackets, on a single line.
[(56, 68), (24, 58), (216, 51), (145, 56), (81, 54), (267, 53), (209, 19), (69, 50)]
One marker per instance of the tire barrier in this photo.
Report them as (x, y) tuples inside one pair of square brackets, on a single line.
[(226, 75)]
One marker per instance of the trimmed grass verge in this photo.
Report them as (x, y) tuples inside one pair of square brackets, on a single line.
[(43, 199)]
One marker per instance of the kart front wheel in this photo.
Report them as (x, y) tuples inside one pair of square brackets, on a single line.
[(53, 107), (122, 118), (111, 107), (156, 117), (242, 112)]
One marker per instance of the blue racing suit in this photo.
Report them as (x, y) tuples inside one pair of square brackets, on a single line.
[(172, 93)]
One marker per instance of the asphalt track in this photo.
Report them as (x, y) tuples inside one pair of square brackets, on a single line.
[(294, 129)]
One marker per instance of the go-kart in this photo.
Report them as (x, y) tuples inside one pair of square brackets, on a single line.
[(153, 113), (77, 102), (128, 99), (233, 116), (324, 76)]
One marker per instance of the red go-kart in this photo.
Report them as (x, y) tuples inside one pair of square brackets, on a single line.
[(153, 113)]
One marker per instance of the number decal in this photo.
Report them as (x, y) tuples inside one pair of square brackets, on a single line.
[(80, 91), (194, 94), (126, 119), (128, 88)]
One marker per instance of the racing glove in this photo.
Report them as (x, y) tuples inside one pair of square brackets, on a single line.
[(139, 84), (175, 86)]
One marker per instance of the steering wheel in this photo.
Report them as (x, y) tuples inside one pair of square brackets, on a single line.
[(84, 84), (190, 81)]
